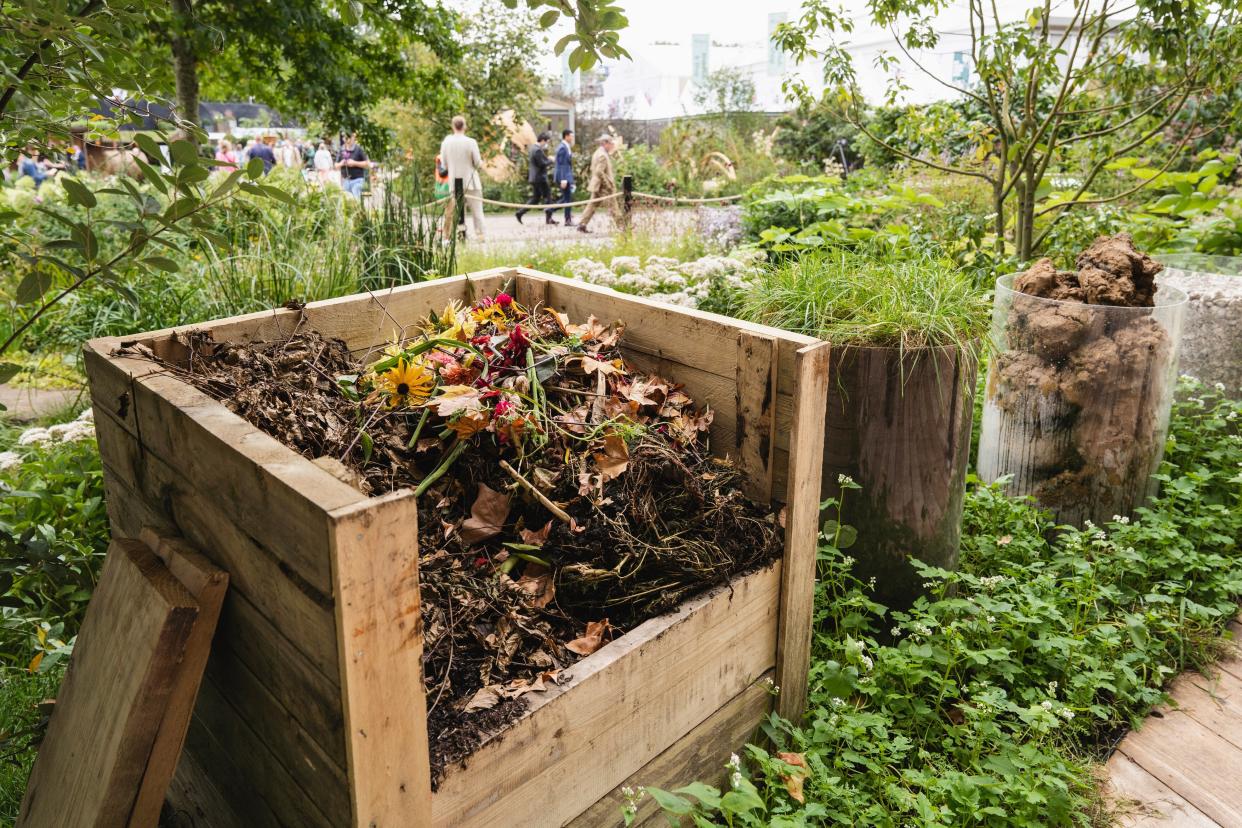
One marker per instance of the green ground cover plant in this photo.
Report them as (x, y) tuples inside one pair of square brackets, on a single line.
[(990, 702)]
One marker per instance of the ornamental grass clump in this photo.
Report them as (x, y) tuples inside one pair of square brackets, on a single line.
[(564, 495), (870, 298)]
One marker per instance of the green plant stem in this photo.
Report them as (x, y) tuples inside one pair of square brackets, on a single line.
[(439, 471)]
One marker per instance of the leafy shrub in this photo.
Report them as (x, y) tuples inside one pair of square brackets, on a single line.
[(53, 534), (987, 702)]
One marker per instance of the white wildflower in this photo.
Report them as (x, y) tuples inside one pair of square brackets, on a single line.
[(991, 619), (34, 437), (736, 779), (836, 702), (87, 416), (1046, 705), (844, 479), (1066, 713), (1219, 386), (624, 264), (735, 762), (895, 632), (9, 460), (922, 629), (867, 662), (1052, 687)]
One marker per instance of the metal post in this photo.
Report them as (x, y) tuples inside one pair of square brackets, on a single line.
[(459, 205), (627, 200)]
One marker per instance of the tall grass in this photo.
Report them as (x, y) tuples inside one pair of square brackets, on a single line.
[(870, 298), (399, 241)]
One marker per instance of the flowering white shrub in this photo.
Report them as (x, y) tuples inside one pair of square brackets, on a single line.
[(82, 428), (667, 280)]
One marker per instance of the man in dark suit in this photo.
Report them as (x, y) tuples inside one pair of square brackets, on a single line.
[(540, 193), (564, 174)]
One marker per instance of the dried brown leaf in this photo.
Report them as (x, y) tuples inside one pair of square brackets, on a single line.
[(535, 537), (793, 780), (487, 515), (614, 459), (592, 639)]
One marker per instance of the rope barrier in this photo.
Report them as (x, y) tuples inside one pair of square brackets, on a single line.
[(551, 205), (556, 205), (676, 200)]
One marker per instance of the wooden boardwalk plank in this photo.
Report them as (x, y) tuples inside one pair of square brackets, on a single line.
[(1215, 703), (1193, 761), (1143, 801)]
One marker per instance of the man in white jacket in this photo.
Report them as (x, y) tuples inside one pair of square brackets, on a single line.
[(460, 156)]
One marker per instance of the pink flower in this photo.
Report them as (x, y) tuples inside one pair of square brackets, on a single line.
[(504, 300)]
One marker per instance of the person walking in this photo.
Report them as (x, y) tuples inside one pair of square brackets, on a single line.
[(460, 155), (262, 149), (541, 192), (353, 164), (323, 163), (602, 183), (225, 155), (564, 173)]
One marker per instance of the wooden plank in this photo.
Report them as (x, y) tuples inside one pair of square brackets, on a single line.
[(700, 755), (110, 705), (621, 706), (380, 639), (1143, 801), (705, 388), (207, 584), (146, 491), (1192, 761), (195, 800), (213, 784), (531, 291), (1214, 703), (793, 656), (266, 776), (755, 401)]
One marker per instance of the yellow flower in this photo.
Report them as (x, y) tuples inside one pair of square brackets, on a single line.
[(407, 383), (453, 323), (493, 313)]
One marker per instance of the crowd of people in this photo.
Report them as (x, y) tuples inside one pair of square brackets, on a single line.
[(346, 165), (39, 166)]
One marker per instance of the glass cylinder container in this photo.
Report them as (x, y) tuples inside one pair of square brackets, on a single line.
[(1212, 337), (1076, 408)]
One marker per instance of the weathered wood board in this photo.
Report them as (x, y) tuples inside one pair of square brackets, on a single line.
[(111, 705)]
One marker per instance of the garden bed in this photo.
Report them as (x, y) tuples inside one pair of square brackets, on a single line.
[(307, 711)]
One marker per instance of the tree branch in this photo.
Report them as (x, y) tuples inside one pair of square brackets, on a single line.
[(7, 96), (858, 124), (932, 75)]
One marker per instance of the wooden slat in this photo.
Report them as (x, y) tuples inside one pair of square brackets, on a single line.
[(110, 706), (379, 623), (700, 755), (267, 776), (531, 292), (793, 657), (755, 400), (154, 494), (623, 705), (207, 584), (213, 783), (1143, 801), (704, 387), (1215, 703), (1189, 759), (196, 801)]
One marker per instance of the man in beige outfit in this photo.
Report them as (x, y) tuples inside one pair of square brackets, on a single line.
[(460, 156), (602, 183)]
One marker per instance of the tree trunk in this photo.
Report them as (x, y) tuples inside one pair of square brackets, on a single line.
[(185, 60)]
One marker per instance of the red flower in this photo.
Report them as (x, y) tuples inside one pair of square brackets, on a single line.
[(504, 300)]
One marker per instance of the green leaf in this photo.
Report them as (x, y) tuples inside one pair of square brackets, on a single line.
[(149, 145), (706, 794), (368, 445), (670, 802), (163, 263), (8, 370), (276, 193), (33, 285), (254, 168), (549, 18), (183, 152), (77, 192)]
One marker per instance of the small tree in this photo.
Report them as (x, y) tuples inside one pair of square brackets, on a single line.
[(725, 91), (1109, 79)]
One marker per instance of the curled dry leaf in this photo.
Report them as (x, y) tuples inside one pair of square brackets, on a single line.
[(536, 537), (793, 780), (614, 459), (592, 639), (537, 582), (591, 365), (487, 515)]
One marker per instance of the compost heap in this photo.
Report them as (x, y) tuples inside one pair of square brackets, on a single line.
[(565, 497), (1093, 381)]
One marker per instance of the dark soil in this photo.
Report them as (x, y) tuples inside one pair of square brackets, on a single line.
[(512, 595)]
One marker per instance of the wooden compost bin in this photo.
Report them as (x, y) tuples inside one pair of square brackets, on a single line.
[(312, 711)]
